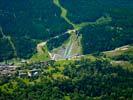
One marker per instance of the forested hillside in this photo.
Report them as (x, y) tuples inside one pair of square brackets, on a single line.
[(104, 25), (66, 49), (26, 22), (102, 37)]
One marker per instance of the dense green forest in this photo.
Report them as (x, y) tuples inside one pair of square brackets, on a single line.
[(28, 21), (104, 37), (83, 79), (90, 10), (6, 51)]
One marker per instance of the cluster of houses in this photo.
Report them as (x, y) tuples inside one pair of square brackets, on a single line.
[(29, 73), (7, 70), (32, 70)]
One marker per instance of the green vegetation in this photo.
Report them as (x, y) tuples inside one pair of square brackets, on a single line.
[(74, 46), (104, 25), (90, 10), (25, 21), (113, 27), (34, 31), (6, 51), (73, 80), (56, 42), (122, 56), (63, 12), (122, 52), (41, 55)]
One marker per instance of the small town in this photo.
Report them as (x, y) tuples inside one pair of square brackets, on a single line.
[(22, 72), (7, 70)]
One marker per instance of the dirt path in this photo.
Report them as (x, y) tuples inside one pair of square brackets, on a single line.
[(10, 41), (70, 47), (63, 12), (40, 47)]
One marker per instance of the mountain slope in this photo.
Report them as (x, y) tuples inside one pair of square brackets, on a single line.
[(103, 25), (28, 22)]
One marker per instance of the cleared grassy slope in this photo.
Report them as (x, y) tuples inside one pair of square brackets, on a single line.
[(122, 56)]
